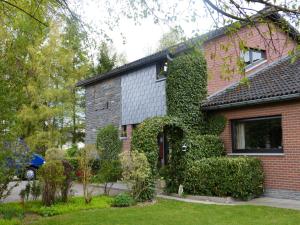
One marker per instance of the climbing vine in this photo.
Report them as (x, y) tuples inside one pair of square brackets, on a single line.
[(186, 89), (144, 138)]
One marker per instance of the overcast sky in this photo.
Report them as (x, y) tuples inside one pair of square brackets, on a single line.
[(140, 40)]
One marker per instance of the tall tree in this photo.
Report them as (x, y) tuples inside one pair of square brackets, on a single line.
[(173, 37), (108, 59)]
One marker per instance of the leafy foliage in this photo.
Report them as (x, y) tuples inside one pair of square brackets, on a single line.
[(51, 176), (204, 146), (67, 182), (87, 155), (186, 89), (106, 60), (109, 143), (241, 177), (215, 124), (123, 200), (109, 147), (144, 138), (14, 156), (137, 174), (54, 154)]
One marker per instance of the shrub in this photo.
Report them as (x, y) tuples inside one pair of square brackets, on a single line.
[(54, 154), (9, 211), (109, 147), (51, 176), (67, 182), (123, 200), (87, 155), (36, 190), (137, 174), (241, 177), (110, 172), (215, 124), (109, 143), (204, 146)]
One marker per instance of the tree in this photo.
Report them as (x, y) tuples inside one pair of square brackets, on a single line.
[(173, 37), (107, 59)]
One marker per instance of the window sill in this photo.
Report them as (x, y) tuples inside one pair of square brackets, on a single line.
[(161, 79), (257, 154), (251, 67)]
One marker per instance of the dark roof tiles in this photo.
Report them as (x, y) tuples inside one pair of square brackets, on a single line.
[(277, 81)]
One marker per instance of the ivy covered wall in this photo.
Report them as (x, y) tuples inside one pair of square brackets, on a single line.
[(186, 88)]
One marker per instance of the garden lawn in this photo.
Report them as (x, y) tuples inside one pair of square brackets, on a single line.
[(167, 212), (15, 210)]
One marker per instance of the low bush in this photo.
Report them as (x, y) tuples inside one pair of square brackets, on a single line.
[(204, 146), (51, 176), (74, 204), (123, 200), (9, 211), (13, 210), (10, 222), (137, 174), (240, 178)]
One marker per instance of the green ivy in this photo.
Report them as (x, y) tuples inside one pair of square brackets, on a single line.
[(186, 88), (215, 124), (144, 138)]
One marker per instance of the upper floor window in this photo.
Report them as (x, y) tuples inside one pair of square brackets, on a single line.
[(253, 56), (161, 70), (257, 135)]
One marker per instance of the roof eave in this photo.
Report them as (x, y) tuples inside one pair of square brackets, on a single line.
[(252, 102)]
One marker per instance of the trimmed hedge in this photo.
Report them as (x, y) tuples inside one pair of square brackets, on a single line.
[(240, 178), (204, 146)]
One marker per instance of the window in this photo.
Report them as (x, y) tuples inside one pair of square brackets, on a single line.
[(161, 70), (257, 135), (124, 131), (253, 56)]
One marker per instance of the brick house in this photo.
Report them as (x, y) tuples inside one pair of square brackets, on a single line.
[(263, 117)]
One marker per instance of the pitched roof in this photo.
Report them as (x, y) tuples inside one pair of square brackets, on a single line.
[(278, 81)]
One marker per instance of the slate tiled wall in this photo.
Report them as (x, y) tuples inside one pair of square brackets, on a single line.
[(103, 106), (142, 96)]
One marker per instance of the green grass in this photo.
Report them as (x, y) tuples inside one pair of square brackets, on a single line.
[(167, 212), (15, 210)]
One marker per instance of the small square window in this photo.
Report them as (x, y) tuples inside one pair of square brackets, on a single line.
[(253, 56), (161, 70), (257, 135), (124, 131)]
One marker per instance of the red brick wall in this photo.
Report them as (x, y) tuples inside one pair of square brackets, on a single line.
[(217, 54), (127, 141), (281, 172)]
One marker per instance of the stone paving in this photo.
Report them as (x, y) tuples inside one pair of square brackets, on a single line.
[(120, 187)]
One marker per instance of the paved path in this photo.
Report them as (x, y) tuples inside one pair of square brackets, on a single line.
[(119, 187), (263, 201)]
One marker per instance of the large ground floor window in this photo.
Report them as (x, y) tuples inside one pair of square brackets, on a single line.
[(257, 135)]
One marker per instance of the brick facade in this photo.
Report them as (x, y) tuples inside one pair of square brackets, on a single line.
[(282, 172), (225, 49)]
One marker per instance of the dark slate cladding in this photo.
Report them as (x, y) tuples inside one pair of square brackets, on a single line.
[(278, 81)]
